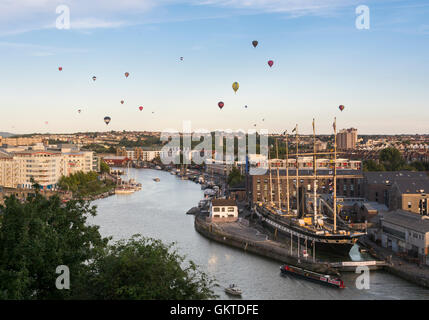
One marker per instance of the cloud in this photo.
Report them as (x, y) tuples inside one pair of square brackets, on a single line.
[(20, 16), (38, 50), (296, 7)]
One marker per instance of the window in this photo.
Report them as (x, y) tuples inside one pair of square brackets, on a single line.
[(216, 209), (223, 209), (409, 204), (230, 209)]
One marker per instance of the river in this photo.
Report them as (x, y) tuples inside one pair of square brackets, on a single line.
[(159, 211)]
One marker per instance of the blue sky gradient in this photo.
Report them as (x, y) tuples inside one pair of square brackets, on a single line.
[(321, 61)]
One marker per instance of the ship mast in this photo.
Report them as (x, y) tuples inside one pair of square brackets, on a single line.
[(315, 174), (297, 173), (335, 176), (287, 173), (271, 183), (278, 175)]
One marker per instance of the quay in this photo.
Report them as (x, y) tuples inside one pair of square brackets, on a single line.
[(240, 235)]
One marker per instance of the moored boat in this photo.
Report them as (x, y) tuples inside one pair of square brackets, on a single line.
[(312, 276), (233, 290)]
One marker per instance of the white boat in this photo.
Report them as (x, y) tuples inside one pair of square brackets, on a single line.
[(233, 290), (124, 190), (156, 180)]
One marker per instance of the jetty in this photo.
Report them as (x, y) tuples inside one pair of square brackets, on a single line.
[(242, 236)]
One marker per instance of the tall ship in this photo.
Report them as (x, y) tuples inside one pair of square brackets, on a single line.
[(308, 213)]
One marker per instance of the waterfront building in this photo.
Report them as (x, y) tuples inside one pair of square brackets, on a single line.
[(46, 165), (349, 179), (347, 139), (406, 233), (397, 189), (223, 210), (223, 168)]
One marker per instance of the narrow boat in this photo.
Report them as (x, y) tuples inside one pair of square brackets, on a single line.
[(233, 290), (156, 180), (312, 276)]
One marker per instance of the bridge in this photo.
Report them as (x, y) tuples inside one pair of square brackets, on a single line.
[(350, 266)]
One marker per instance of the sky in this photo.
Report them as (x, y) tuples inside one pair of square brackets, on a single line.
[(321, 60)]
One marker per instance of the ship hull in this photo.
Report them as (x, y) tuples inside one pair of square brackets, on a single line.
[(337, 244)]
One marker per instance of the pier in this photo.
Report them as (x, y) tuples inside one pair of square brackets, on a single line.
[(240, 235)]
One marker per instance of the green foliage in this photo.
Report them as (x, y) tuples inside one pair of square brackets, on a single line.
[(371, 165), (36, 237), (42, 233), (144, 268), (85, 184), (391, 159), (104, 167), (235, 177)]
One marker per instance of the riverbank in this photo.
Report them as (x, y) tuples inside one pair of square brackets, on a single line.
[(399, 267), (240, 235)]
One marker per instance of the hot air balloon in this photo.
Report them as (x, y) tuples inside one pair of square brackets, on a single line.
[(79, 110), (94, 78), (341, 107), (122, 101), (60, 68), (235, 86), (107, 120), (181, 58), (126, 74), (245, 106), (255, 43), (220, 104), (271, 63), (141, 108)]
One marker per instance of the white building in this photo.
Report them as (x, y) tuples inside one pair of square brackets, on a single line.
[(223, 210), (406, 232), (18, 167)]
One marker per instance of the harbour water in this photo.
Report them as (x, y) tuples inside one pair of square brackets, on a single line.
[(159, 211)]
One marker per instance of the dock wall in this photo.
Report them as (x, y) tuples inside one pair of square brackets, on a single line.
[(267, 248)]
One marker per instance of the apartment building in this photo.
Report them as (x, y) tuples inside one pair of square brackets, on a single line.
[(20, 166), (347, 139)]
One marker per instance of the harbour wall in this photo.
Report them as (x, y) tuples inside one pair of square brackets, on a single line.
[(265, 248)]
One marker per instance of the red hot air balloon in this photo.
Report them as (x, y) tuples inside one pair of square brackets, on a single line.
[(341, 107), (122, 101), (141, 108), (60, 68), (126, 74), (271, 63), (220, 104), (94, 78)]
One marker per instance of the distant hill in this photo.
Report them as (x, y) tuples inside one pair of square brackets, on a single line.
[(6, 134)]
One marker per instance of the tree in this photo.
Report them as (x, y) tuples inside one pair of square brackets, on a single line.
[(145, 268), (42, 233), (104, 167), (371, 165), (39, 235), (391, 159), (235, 177)]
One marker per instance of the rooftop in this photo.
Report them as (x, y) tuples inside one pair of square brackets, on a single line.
[(407, 220), (223, 202)]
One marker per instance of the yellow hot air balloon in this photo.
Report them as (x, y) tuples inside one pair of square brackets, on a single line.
[(235, 86)]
